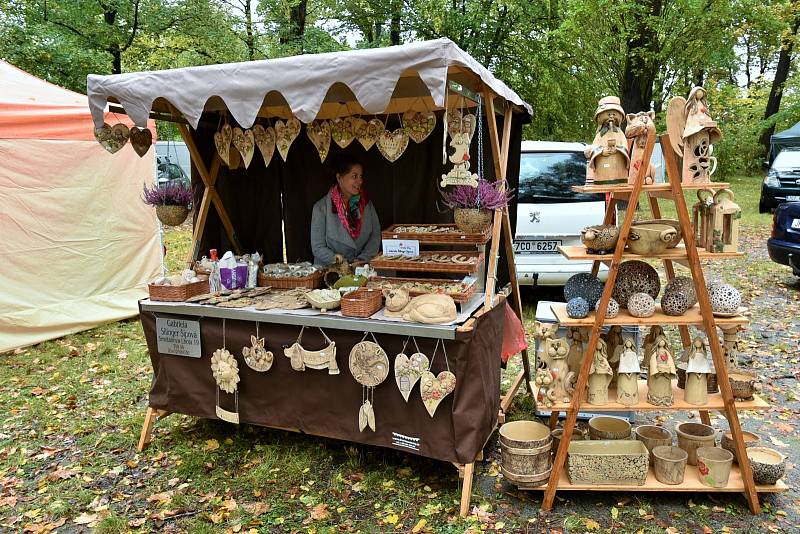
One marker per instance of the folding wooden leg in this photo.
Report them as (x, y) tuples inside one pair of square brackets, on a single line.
[(466, 489), (554, 415), (150, 417)]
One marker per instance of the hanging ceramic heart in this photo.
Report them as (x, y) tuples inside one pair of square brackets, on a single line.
[(407, 371), (343, 130), (368, 132), (285, 134), (112, 138), (265, 141), (103, 136), (435, 388), (222, 140), (141, 139), (419, 125), (460, 123), (393, 144), (245, 144), (319, 132)]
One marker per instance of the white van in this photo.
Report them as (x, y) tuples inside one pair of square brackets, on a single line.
[(550, 214)]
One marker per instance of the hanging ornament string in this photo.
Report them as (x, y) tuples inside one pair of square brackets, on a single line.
[(444, 124), (480, 150)]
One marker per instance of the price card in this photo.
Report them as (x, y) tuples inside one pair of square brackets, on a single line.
[(179, 337), (404, 247)]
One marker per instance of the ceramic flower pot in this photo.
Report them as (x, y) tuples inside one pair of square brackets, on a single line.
[(607, 428), (727, 443), (472, 221), (653, 436), (714, 466), (692, 436), (669, 463), (172, 215), (645, 239), (768, 465), (525, 452)]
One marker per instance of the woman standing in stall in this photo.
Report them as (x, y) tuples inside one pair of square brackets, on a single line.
[(344, 222)]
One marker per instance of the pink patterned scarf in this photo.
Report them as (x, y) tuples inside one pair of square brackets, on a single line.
[(351, 214)]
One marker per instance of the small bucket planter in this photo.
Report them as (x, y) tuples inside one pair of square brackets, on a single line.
[(692, 436), (607, 427), (669, 464), (525, 452), (653, 436), (714, 466), (768, 465)]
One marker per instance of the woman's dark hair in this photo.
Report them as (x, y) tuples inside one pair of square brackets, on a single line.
[(343, 162)]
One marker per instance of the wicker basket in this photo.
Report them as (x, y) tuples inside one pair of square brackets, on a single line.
[(459, 296), (178, 293), (474, 221), (431, 266), (312, 281), (452, 237), (172, 215), (362, 302)]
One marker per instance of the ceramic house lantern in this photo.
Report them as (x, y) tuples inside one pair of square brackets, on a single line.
[(730, 346), (693, 133), (697, 370), (662, 372), (608, 159), (628, 374), (724, 223), (701, 217), (600, 376)]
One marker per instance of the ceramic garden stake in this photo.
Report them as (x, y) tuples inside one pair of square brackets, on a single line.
[(697, 370), (600, 376), (608, 158), (561, 388), (638, 127), (628, 374), (662, 371)]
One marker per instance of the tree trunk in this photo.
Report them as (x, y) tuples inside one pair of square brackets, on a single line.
[(394, 22), (636, 86), (110, 17), (297, 25), (781, 73), (250, 41)]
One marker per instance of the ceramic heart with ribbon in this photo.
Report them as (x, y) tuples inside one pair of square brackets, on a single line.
[(407, 371), (319, 132), (457, 123), (419, 125), (343, 130), (285, 134), (141, 139), (367, 132), (434, 388), (112, 138), (265, 141), (393, 144), (245, 143), (222, 140)]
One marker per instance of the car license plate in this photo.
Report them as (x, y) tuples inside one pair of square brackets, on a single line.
[(537, 246), (796, 224), (792, 198)]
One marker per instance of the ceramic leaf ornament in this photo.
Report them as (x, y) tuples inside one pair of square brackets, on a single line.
[(407, 371), (368, 132), (369, 366), (393, 144), (343, 130), (319, 132), (245, 143), (434, 388), (222, 140), (265, 141), (285, 134), (419, 125), (112, 138), (141, 140)]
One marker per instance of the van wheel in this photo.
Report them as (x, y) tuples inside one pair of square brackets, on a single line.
[(762, 208)]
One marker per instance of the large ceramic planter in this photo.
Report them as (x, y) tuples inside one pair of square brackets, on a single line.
[(727, 443), (472, 221), (646, 239), (670, 222), (692, 436), (525, 452), (605, 427), (768, 465), (577, 435), (172, 215), (669, 464), (714, 466), (621, 462), (653, 436)]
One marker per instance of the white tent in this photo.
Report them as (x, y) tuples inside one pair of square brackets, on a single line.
[(78, 246)]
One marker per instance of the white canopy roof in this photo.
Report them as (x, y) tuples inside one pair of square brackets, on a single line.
[(303, 82)]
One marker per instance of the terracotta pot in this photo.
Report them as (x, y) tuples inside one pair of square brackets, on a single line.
[(172, 215), (645, 239), (750, 440), (525, 452), (669, 463), (743, 384), (607, 428), (671, 222), (556, 434), (653, 436), (692, 436), (472, 221), (714, 466), (768, 465)]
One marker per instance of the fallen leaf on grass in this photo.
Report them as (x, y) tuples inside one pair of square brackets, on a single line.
[(136, 523), (211, 445), (419, 526), (87, 519), (256, 508), (8, 501), (43, 528), (591, 524), (230, 505), (320, 512), (162, 498), (61, 474), (614, 512)]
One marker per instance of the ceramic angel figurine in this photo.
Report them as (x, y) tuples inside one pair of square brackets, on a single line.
[(608, 158), (614, 342), (628, 374), (561, 389), (693, 133), (697, 370), (662, 372), (599, 375), (575, 356), (541, 333)]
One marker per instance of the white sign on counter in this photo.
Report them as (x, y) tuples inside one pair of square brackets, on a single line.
[(179, 337), (404, 247)]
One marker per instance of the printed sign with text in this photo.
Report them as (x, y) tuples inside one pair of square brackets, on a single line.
[(179, 337)]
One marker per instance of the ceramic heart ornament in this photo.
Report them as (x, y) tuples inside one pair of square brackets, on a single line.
[(112, 138), (407, 371), (393, 144), (141, 140), (265, 141), (435, 388), (419, 125), (368, 132), (285, 134), (319, 132), (222, 140), (460, 123), (343, 130), (245, 143)]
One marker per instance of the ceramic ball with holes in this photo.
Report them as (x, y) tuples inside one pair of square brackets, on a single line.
[(635, 276), (685, 285), (641, 305), (725, 299), (612, 310), (577, 308), (583, 285), (674, 302)]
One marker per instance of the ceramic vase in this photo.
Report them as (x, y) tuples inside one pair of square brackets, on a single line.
[(628, 388)]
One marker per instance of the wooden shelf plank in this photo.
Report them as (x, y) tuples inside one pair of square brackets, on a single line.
[(594, 188), (691, 482), (715, 402), (691, 317), (678, 253)]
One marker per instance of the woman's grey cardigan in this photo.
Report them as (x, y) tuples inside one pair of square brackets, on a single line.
[(329, 236)]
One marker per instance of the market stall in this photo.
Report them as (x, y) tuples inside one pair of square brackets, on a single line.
[(260, 135)]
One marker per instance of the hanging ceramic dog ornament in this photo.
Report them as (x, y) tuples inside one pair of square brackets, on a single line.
[(256, 356), (368, 132), (408, 371), (226, 374), (319, 132), (112, 138), (393, 144), (141, 140), (222, 140), (343, 130), (285, 134), (369, 365), (300, 358), (434, 388), (419, 124), (245, 144), (265, 141)]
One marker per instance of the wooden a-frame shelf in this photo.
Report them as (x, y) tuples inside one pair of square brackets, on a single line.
[(628, 188), (715, 402), (578, 252), (691, 317)]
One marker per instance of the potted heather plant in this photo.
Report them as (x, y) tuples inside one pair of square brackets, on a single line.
[(171, 200), (473, 206)]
